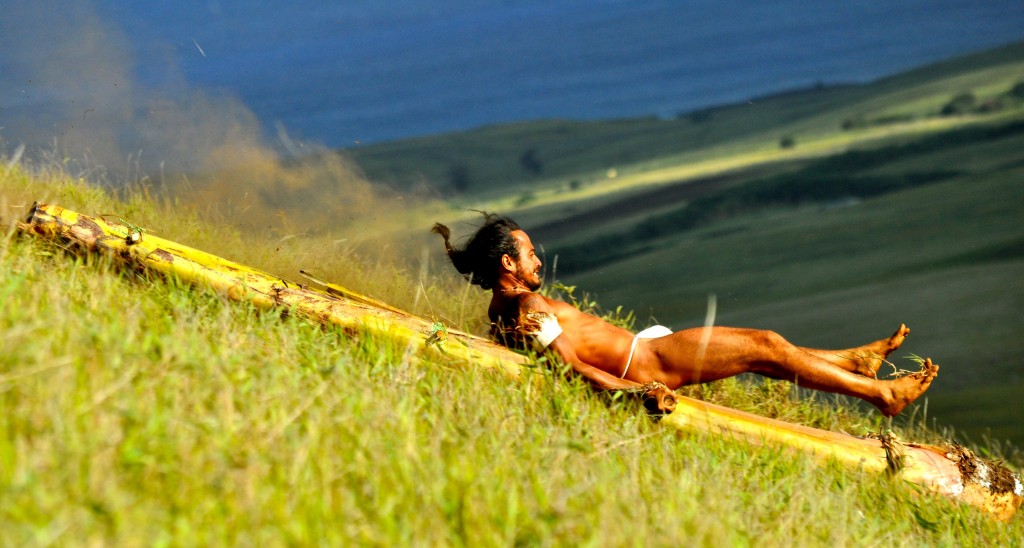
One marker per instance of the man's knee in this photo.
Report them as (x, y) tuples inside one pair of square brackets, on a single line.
[(769, 339), (772, 351)]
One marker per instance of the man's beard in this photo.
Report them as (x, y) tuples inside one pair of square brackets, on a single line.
[(533, 282)]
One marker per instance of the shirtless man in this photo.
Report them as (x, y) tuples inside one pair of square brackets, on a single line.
[(500, 257)]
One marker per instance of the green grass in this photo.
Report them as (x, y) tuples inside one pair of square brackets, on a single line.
[(137, 411)]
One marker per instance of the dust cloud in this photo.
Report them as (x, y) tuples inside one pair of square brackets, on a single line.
[(68, 93)]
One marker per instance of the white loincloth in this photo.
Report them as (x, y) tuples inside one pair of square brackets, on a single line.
[(653, 332)]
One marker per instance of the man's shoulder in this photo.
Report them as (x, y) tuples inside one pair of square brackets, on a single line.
[(511, 310), (536, 302), (532, 300)]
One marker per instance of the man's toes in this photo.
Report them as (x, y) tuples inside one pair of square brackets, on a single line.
[(897, 338)]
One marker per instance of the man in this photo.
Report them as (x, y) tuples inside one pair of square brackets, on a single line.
[(500, 257)]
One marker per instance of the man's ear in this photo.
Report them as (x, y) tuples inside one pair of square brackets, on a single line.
[(508, 263)]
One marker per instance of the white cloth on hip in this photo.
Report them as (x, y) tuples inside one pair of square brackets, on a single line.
[(653, 332)]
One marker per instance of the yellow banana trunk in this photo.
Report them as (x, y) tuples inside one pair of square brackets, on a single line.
[(952, 471), (352, 312)]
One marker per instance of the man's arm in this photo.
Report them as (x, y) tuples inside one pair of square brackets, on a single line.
[(562, 346)]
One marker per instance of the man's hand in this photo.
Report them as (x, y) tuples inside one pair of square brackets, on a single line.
[(658, 399)]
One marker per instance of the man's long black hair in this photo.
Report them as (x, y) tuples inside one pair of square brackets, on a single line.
[(480, 259)]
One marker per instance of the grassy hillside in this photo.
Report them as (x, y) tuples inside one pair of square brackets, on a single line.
[(138, 411)]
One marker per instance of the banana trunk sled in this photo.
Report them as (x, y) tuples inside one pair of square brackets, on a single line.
[(951, 471)]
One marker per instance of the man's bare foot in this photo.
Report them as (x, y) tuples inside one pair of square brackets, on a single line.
[(869, 358), (903, 391)]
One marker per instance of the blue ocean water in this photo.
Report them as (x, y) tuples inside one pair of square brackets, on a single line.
[(363, 71)]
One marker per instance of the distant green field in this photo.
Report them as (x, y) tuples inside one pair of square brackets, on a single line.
[(511, 161)]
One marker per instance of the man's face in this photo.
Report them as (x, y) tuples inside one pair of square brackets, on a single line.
[(528, 265)]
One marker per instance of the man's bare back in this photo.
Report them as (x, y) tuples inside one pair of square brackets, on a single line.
[(610, 357)]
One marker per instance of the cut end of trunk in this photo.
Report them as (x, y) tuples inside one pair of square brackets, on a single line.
[(987, 484)]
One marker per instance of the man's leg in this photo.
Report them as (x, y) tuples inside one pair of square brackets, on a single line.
[(863, 360), (731, 351)]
